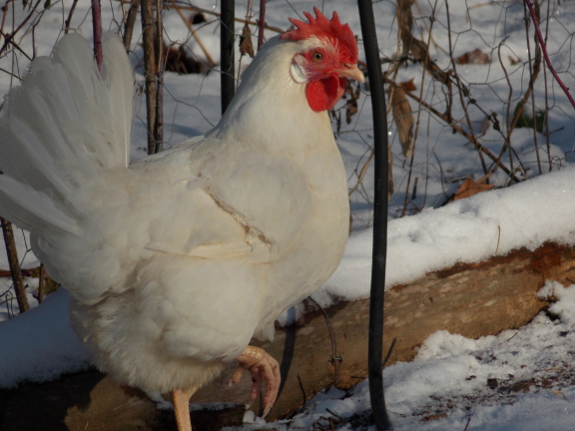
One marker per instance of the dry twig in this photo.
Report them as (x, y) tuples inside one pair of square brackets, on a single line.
[(14, 265), (193, 32)]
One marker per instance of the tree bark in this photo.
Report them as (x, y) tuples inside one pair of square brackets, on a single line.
[(227, 57), (149, 37), (97, 29), (160, 67), (14, 265), (130, 22)]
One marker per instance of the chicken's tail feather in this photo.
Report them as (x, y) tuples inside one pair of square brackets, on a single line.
[(61, 128)]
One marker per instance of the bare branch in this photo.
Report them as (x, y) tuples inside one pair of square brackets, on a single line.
[(14, 265)]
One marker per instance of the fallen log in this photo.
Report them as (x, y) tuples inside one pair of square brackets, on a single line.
[(473, 300)]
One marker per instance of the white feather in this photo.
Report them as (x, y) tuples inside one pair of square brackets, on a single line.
[(32, 209), (175, 262)]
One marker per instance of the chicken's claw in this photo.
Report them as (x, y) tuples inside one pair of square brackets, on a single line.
[(262, 366)]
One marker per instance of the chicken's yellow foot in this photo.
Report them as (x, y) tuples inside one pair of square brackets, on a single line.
[(262, 366), (181, 401)]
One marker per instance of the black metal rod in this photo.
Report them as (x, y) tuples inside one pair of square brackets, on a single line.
[(227, 53), (375, 350)]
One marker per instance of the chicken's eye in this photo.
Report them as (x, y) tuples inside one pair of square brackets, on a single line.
[(317, 56)]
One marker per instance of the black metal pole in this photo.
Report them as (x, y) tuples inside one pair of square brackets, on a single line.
[(375, 350), (227, 52)]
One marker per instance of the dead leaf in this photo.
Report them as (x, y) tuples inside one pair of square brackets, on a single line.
[(411, 44), (351, 110), (434, 417), (246, 46), (403, 118), (351, 104), (470, 188), (420, 52), (177, 60), (408, 85), (473, 57), (513, 60), (404, 23), (523, 386), (197, 18), (485, 125)]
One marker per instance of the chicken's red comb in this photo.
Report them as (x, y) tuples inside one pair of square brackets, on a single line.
[(322, 27)]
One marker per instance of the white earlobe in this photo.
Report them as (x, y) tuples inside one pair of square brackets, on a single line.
[(297, 73)]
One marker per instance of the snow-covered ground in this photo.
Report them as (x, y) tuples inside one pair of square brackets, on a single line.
[(518, 380)]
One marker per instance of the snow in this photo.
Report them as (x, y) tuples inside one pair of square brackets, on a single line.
[(517, 380), (468, 230), (448, 383), (42, 344)]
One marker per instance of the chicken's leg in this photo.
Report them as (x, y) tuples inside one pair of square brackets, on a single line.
[(181, 401), (262, 366)]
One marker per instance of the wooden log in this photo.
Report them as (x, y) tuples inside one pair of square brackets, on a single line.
[(470, 299), (473, 300)]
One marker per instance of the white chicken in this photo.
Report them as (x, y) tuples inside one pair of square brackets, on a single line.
[(176, 261)]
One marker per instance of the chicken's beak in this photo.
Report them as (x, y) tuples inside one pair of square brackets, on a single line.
[(351, 72)]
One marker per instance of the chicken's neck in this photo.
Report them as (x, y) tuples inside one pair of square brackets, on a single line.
[(270, 111)]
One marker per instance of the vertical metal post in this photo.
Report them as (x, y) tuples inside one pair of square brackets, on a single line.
[(375, 350), (227, 53)]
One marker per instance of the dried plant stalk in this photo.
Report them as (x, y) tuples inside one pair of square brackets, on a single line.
[(193, 33), (404, 23), (130, 22), (14, 265), (150, 38), (403, 117)]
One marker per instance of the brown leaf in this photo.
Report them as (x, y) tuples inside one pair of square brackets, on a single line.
[(558, 393), (419, 49), (246, 46), (351, 110), (351, 104), (420, 52), (433, 417), (404, 23), (408, 85), (403, 118), (473, 57), (177, 60), (470, 188), (197, 18), (522, 386), (513, 60), (409, 43)]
